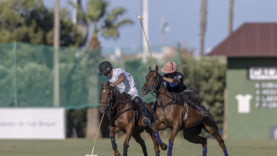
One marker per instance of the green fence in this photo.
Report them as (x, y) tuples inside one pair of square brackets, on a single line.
[(26, 75)]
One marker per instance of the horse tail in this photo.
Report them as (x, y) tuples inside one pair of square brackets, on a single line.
[(210, 121)]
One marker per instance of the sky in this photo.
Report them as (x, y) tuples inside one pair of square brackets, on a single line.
[(183, 17)]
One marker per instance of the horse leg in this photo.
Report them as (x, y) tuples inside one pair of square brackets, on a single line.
[(129, 129), (211, 127), (174, 132), (158, 139), (221, 143), (192, 135), (141, 142), (114, 130), (198, 140), (156, 146)]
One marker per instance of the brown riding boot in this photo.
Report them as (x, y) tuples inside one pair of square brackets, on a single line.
[(142, 109)]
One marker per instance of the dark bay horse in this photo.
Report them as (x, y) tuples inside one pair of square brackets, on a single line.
[(124, 118), (179, 116)]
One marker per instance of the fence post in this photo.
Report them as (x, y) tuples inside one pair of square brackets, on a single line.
[(56, 87), (15, 74)]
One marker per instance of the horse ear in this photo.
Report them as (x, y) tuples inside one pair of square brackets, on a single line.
[(101, 83), (157, 68), (149, 68)]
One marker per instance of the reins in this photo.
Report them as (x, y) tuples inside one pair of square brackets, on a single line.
[(158, 84), (113, 104)]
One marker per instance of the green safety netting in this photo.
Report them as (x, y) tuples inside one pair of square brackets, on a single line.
[(26, 75)]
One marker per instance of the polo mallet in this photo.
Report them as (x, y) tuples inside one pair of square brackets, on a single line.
[(149, 49), (96, 136)]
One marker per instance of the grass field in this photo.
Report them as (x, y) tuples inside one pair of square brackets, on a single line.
[(80, 147)]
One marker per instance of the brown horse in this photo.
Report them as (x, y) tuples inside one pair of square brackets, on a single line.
[(178, 115), (124, 118)]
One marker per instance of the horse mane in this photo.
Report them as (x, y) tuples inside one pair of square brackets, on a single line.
[(120, 98)]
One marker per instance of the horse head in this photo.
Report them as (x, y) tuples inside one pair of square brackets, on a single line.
[(106, 96), (153, 81)]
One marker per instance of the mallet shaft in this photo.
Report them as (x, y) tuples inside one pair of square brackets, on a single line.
[(97, 132), (140, 19)]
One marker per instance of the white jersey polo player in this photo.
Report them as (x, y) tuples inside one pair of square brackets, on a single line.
[(125, 83)]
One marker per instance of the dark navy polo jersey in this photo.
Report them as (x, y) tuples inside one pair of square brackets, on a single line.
[(178, 84)]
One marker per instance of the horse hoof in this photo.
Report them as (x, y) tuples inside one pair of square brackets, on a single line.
[(117, 154), (164, 146)]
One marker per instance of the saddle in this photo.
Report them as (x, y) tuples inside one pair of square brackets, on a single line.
[(190, 96)]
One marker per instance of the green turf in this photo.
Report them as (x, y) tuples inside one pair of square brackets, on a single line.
[(80, 147)]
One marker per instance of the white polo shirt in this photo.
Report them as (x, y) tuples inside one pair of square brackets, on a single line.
[(127, 85)]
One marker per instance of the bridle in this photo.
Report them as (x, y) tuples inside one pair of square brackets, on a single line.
[(109, 100), (155, 86), (111, 104)]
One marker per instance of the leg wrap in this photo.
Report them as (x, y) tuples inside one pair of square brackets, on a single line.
[(113, 143), (204, 151), (225, 152), (158, 153), (125, 149), (170, 147), (157, 136)]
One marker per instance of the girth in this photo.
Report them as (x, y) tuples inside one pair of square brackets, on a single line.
[(173, 102), (123, 111), (113, 117), (163, 107)]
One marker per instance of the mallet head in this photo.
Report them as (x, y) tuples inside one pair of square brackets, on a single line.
[(140, 18)]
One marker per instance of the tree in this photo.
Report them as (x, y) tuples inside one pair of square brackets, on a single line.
[(207, 75), (107, 24), (203, 24), (231, 13), (30, 21)]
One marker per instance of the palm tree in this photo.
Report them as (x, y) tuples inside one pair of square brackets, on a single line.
[(231, 13), (203, 24), (104, 22), (107, 24)]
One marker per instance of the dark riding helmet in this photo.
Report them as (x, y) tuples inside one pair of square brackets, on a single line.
[(105, 67)]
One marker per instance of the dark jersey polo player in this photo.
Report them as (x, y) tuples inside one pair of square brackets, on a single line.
[(174, 83), (173, 79)]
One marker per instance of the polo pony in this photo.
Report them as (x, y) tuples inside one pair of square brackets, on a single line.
[(124, 117), (171, 112)]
